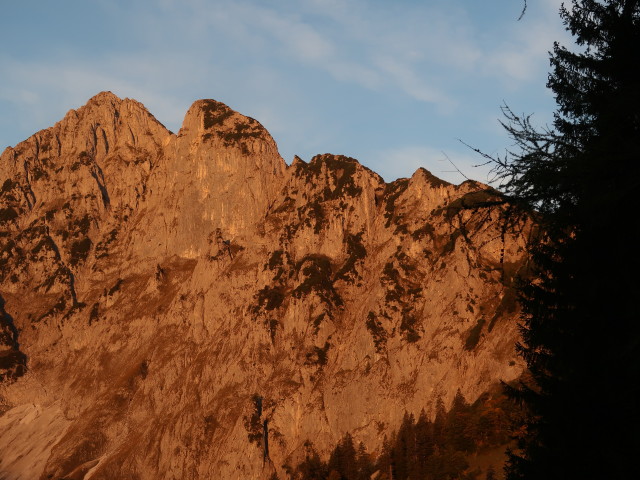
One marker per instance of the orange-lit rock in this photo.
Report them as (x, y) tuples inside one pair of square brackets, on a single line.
[(172, 293)]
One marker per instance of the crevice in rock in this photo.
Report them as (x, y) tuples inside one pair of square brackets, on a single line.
[(29, 196), (98, 176), (265, 428)]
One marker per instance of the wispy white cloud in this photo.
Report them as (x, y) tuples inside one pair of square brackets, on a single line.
[(413, 84), (413, 49), (293, 63), (348, 47), (362, 75), (61, 86), (524, 52), (302, 40)]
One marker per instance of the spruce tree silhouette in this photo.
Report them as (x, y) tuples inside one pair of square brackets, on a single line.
[(581, 329)]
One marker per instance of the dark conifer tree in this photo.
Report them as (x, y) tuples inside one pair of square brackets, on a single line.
[(424, 445), (581, 331), (403, 452), (364, 462), (491, 473), (343, 459), (458, 422), (383, 464), (440, 424), (312, 468)]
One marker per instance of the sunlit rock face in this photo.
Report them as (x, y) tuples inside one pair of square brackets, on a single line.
[(174, 304)]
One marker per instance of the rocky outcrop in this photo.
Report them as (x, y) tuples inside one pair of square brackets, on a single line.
[(188, 306)]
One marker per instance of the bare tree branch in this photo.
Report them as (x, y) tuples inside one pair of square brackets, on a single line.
[(454, 166), (524, 9)]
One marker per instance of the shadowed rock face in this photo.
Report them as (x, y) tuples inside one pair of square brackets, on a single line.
[(181, 301)]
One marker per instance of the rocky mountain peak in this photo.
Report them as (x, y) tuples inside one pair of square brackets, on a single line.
[(189, 306), (104, 96), (107, 101), (212, 121), (106, 115)]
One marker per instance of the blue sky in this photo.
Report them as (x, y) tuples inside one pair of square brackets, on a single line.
[(393, 83)]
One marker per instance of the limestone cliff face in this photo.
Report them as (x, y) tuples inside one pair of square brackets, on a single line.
[(188, 306)]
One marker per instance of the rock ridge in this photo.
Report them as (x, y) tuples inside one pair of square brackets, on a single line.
[(172, 304)]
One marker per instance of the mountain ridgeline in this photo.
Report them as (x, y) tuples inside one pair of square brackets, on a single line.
[(185, 306)]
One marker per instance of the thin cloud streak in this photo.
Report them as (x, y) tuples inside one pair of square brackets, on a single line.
[(318, 70)]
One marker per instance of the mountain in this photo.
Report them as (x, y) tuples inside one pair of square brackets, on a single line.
[(190, 306)]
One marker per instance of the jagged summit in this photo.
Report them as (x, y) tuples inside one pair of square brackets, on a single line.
[(212, 121), (105, 96), (189, 306), (422, 174), (108, 106)]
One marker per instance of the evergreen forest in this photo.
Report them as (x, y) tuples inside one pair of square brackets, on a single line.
[(423, 448)]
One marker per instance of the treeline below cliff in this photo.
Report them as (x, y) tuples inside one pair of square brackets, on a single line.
[(442, 448)]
